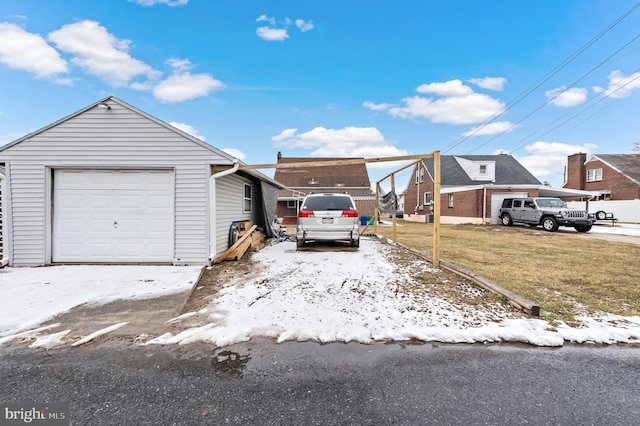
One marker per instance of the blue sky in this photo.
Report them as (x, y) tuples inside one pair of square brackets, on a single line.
[(538, 79)]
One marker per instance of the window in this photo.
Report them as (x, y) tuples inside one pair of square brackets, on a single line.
[(528, 204), (419, 175), (246, 202), (594, 175), (291, 204), (483, 169), (450, 201), (517, 203), (427, 198)]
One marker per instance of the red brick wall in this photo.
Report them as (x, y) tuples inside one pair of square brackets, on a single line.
[(576, 175), (621, 188)]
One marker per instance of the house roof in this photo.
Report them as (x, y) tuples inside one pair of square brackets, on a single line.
[(353, 178), (627, 164), (231, 159), (508, 171)]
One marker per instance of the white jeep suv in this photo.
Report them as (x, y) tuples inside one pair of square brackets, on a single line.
[(328, 217)]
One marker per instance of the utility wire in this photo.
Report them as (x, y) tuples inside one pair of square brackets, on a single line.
[(541, 81), (550, 100)]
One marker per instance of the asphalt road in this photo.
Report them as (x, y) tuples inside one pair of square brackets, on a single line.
[(263, 383)]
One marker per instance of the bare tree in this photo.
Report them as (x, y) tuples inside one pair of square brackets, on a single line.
[(636, 147)]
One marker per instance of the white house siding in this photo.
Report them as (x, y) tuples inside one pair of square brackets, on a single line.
[(113, 139), (229, 208)]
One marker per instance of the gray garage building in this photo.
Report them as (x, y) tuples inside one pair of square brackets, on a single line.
[(113, 184)]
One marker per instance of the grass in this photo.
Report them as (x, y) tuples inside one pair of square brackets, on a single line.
[(566, 274)]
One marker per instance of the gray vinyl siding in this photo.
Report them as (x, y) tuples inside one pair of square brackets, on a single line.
[(111, 139), (229, 207)]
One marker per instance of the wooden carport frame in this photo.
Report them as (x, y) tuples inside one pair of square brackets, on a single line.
[(347, 161), (436, 202)]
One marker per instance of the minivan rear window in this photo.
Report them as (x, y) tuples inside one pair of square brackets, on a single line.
[(327, 202)]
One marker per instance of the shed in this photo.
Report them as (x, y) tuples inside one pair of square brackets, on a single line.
[(113, 184)]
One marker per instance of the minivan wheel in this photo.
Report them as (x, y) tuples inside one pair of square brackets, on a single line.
[(299, 243), (506, 220), (355, 243), (550, 224)]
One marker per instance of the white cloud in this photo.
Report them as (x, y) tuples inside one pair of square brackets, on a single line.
[(29, 52), (447, 88), (489, 83), (272, 34), (171, 3), (186, 86), (98, 52), (304, 26), (454, 103), (236, 153), (564, 97), (550, 158), (285, 134), (620, 86), (265, 18), (187, 129), (494, 128), (470, 109), (348, 142), (377, 107)]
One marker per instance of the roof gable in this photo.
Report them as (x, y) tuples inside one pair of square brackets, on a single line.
[(626, 164), (113, 100), (458, 170)]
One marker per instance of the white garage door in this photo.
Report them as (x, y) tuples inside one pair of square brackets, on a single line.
[(496, 203), (112, 216)]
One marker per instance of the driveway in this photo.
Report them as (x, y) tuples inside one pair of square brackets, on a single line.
[(377, 293)]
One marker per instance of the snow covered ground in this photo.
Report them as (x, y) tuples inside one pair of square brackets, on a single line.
[(31, 296), (372, 294)]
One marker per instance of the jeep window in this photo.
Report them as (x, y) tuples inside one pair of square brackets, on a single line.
[(517, 204), (551, 203), (506, 203), (528, 204)]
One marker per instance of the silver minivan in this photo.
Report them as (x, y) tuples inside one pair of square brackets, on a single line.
[(328, 217)]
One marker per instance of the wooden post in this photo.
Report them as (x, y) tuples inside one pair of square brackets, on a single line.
[(393, 220), (375, 212), (436, 209)]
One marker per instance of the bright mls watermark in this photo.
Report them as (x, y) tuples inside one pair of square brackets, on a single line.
[(34, 414)]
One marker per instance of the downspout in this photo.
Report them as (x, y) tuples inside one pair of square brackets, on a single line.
[(5, 260), (212, 207)]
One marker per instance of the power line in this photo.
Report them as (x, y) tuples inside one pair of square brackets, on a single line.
[(541, 81)]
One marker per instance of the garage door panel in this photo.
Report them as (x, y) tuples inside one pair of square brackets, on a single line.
[(112, 216)]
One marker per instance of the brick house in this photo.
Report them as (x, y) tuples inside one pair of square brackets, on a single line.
[(352, 179), (612, 176), (472, 188)]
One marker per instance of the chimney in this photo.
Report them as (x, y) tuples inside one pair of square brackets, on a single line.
[(279, 155), (576, 173)]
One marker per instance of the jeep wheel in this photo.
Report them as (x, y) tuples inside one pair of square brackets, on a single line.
[(583, 228), (550, 224), (506, 220), (600, 215)]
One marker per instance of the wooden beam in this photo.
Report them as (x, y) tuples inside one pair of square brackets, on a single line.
[(436, 209), (339, 162), (237, 244)]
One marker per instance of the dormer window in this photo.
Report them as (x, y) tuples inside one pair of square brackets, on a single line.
[(483, 169)]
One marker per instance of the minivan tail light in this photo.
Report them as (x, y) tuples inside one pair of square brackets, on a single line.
[(349, 213), (306, 213)]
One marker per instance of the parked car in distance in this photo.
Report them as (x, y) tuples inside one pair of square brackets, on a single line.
[(328, 217), (546, 211)]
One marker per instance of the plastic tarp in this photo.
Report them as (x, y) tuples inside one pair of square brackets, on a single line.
[(269, 204), (387, 201)]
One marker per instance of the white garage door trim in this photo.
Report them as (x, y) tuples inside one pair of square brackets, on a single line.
[(496, 203), (113, 216)]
